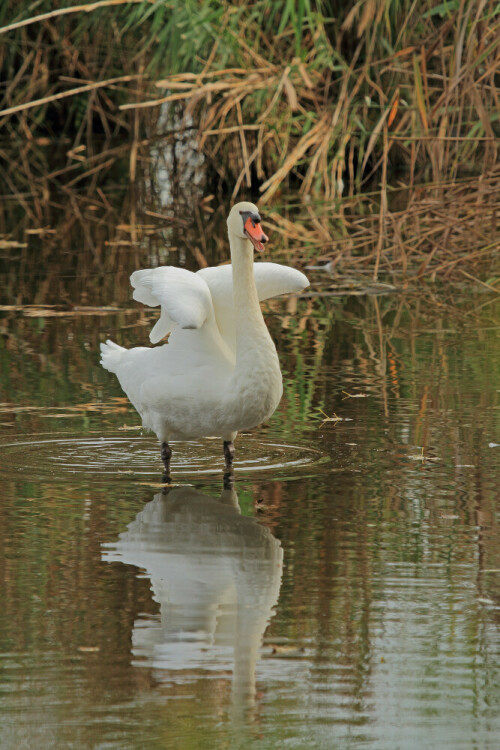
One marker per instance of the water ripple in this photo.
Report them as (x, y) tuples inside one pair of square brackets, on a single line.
[(69, 455)]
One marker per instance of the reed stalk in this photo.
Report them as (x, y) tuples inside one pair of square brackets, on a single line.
[(309, 94)]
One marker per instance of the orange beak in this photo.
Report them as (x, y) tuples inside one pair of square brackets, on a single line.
[(253, 231)]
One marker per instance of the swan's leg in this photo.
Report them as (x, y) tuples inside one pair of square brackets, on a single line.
[(229, 479), (166, 453), (228, 453)]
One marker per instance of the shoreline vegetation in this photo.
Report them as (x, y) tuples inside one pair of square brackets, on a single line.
[(380, 118)]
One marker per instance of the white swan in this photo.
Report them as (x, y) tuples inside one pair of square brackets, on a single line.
[(219, 372)]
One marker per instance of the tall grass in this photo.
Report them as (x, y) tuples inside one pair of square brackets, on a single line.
[(386, 111), (326, 94)]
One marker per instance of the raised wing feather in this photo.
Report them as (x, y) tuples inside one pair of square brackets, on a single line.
[(184, 297), (271, 280)]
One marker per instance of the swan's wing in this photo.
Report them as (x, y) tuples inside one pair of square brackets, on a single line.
[(271, 280), (184, 297)]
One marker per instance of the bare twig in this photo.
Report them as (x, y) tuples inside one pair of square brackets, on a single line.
[(65, 94), (88, 8)]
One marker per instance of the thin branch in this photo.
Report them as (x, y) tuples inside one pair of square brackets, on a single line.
[(64, 11), (64, 94)]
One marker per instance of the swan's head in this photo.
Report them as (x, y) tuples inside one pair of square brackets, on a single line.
[(244, 222)]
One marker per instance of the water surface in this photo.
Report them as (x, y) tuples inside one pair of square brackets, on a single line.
[(344, 593)]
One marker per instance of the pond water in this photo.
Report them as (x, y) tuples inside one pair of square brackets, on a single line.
[(343, 593)]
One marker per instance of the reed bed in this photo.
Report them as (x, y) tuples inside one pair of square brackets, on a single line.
[(331, 123), (325, 94), (90, 229), (434, 231), (367, 131)]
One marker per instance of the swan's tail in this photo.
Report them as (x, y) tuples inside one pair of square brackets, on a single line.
[(111, 355)]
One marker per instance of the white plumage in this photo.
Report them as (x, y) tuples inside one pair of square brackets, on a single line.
[(219, 372)]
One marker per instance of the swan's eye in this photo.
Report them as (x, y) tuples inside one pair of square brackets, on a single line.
[(254, 218)]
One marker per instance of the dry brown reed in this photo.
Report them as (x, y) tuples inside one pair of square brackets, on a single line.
[(277, 92), (434, 231), (397, 143), (80, 216), (431, 107)]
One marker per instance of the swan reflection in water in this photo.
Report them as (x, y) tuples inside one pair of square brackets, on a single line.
[(216, 575)]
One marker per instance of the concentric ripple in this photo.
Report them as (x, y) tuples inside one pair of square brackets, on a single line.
[(51, 456)]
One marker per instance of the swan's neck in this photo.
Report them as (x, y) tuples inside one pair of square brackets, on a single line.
[(256, 386), (251, 330)]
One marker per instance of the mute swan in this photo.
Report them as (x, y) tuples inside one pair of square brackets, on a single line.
[(219, 372)]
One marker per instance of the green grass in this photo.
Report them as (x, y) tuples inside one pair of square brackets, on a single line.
[(339, 92)]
